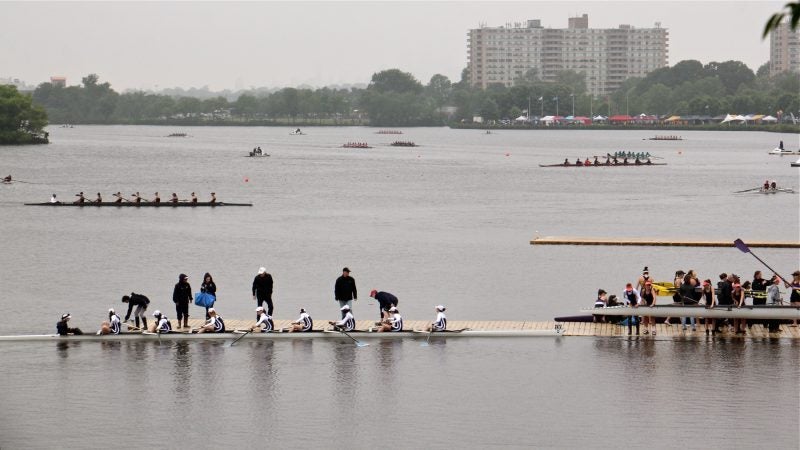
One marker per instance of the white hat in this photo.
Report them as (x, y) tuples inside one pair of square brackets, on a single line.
[(65, 316), (260, 308), (210, 310), (156, 313), (111, 310), (393, 309), (262, 270), (440, 307), (344, 308)]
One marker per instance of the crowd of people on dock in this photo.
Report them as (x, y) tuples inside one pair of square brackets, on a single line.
[(687, 290), (135, 198), (345, 293)]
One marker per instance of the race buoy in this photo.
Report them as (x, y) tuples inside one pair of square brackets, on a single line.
[(508, 154), (680, 152), (246, 180)]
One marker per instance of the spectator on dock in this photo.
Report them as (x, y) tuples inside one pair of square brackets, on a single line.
[(600, 302), (385, 301), (344, 290), (182, 297), (710, 301), (262, 289), (649, 298), (794, 296), (633, 299)]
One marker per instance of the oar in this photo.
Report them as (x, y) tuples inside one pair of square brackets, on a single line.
[(243, 335), (745, 249), (427, 341), (748, 190), (358, 343)]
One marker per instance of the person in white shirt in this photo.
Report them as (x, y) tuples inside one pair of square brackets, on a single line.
[(112, 325), (441, 320), (348, 322), (264, 323), (303, 324), (162, 323), (393, 323), (214, 324)]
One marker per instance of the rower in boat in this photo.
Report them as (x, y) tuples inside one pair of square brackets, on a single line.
[(587, 163), (7, 179), (163, 324), (303, 324), (53, 199), (213, 200), (81, 199), (156, 198), (174, 198), (63, 329), (214, 324), (194, 199), (393, 323), (440, 324), (119, 197), (264, 324), (99, 198), (136, 197), (566, 162), (596, 162), (112, 325), (348, 322), (578, 162)]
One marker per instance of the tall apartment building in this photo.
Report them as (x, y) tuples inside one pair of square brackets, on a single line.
[(784, 50), (606, 56)]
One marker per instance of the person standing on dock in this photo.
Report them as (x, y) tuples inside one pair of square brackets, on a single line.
[(63, 329), (632, 298), (141, 302), (210, 288), (385, 301), (262, 289), (794, 296), (344, 290), (649, 299), (182, 297)]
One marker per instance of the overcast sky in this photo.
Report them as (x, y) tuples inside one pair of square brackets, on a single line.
[(278, 44)]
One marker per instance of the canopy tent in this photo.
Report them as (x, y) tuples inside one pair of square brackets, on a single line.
[(673, 119), (521, 119), (769, 119), (620, 118), (599, 118), (732, 118)]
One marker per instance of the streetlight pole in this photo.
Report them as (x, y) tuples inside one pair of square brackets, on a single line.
[(591, 106), (556, 105), (626, 104), (572, 96)]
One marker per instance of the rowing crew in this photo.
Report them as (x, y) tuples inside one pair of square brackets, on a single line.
[(264, 324), (7, 179), (610, 161), (135, 198)]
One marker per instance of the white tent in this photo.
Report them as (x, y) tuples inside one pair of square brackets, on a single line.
[(769, 119), (547, 119), (521, 119), (730, 118), (599, 118)]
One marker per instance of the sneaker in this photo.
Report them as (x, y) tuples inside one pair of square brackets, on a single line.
[(645, 332), (654, 332)]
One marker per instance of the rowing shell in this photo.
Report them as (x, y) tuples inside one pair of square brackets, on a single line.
[(279, 336), (718, 312), (603, 165), (142, 204)]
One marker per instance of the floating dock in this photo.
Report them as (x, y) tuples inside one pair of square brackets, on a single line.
[(663, 242)]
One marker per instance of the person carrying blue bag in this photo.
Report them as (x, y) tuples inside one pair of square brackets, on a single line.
[(207, 295)]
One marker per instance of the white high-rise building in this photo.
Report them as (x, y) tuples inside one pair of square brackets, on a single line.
[(784, 50), (606, 56)]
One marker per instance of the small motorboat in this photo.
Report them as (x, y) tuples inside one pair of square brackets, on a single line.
[(783, 151), (796, 163)]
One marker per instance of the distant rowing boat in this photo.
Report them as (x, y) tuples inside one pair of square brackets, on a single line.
[(178, 336), (142, 204), (583, 164), (781, 151), (666, 138), (718, 312)]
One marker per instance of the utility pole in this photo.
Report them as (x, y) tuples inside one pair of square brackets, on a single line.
[(572, 96)]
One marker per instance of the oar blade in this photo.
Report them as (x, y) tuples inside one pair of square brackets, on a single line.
[(738, 243)]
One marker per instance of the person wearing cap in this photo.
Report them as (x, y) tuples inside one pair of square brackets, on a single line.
[(264, 323), (141, 302), (163, 325), (53, 199), (213, 200), (440, 324), (112, 325), (344, 290), (385, 301), (304, 323), (393, 323), (63, 329), (348, 322), (739, 325), (214, 324), (262, 289), (643, 279), (182, 297)]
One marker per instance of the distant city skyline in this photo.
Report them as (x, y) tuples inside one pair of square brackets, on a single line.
[(280, 44)]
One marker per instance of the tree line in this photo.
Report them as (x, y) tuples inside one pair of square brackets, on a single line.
[(396, 98)]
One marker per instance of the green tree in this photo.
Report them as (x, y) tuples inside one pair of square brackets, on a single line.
[(732, 74), (21, 122), (791, 10), (393, 80)]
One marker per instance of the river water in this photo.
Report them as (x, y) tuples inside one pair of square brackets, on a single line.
[(447, 222)]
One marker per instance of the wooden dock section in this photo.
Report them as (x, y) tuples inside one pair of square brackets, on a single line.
[(663, 242), (570, 328)]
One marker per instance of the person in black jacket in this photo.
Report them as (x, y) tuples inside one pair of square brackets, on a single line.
[(209, 287), (63, 329), (141, 302), (182, 296), (262, 289), (385, 301), (345, 290)]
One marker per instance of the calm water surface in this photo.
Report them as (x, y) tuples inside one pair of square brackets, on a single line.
[(448, 222)]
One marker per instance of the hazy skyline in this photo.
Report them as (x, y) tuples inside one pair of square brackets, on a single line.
[(281, 44)]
